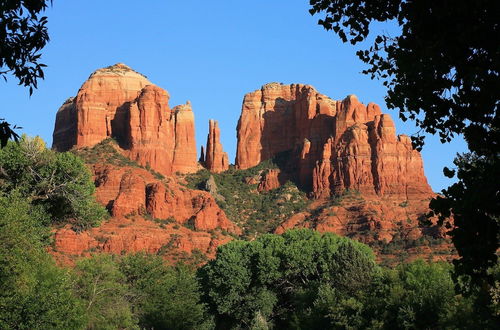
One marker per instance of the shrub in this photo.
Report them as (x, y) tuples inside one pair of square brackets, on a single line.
[(58, 182), (278, 277)]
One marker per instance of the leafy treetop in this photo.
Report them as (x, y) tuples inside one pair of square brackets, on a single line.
[(23, 33)]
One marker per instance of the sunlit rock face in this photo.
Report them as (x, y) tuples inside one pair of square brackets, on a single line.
[(117, 102), (332, 145), (214, 158)]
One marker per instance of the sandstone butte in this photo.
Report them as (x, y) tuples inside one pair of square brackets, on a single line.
[(213, 157), (117, 102), (332, 146)]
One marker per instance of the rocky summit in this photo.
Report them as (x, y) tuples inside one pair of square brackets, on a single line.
[(360, 178), (331, 145), (213, 157), (117, 102)]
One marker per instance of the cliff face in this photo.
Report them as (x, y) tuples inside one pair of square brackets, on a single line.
[(334, 145), (120, 103), (215, 160)]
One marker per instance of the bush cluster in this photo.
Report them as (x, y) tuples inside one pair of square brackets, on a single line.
[(256, 212)]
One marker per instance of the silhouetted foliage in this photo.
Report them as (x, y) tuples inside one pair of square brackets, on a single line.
[(7, 132), (23, 33), (442, 71), (474, 203)]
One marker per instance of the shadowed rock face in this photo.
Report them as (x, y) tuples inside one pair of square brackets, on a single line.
[(335, 145), (120, 103)]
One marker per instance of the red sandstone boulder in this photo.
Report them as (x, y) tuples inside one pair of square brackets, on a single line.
[(270, 179), (131, 196), (129, 191)]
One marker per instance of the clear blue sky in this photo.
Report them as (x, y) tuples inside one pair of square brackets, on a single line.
[(208, 52)]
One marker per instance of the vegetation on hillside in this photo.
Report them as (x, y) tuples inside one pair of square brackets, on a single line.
[(106, 152), (256, 212)]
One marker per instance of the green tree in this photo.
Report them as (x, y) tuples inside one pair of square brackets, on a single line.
[(59, 182), (34, 292), (415, 295), (275, 279), (418, 295), (23, 33), (103, 288), (442, 71), (163, 297)]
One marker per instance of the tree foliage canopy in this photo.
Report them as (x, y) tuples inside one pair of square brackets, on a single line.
[(59, 182), (276, 279), (34, 292), (139, 291), (23, 34), (164, 297)]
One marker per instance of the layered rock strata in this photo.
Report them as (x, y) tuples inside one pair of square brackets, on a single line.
[(334, 145), (148, 215), (127, 191), (215, 159), (117, 102)]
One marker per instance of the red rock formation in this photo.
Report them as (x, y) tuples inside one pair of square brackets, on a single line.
[(322, 172), (128, 191), (216, 160), (365, 218), (185, 160), (120, 103), (183, 205), (99, 107), (131, 195), (134, 195), (335, 145), (133, 234), (270, 180)]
